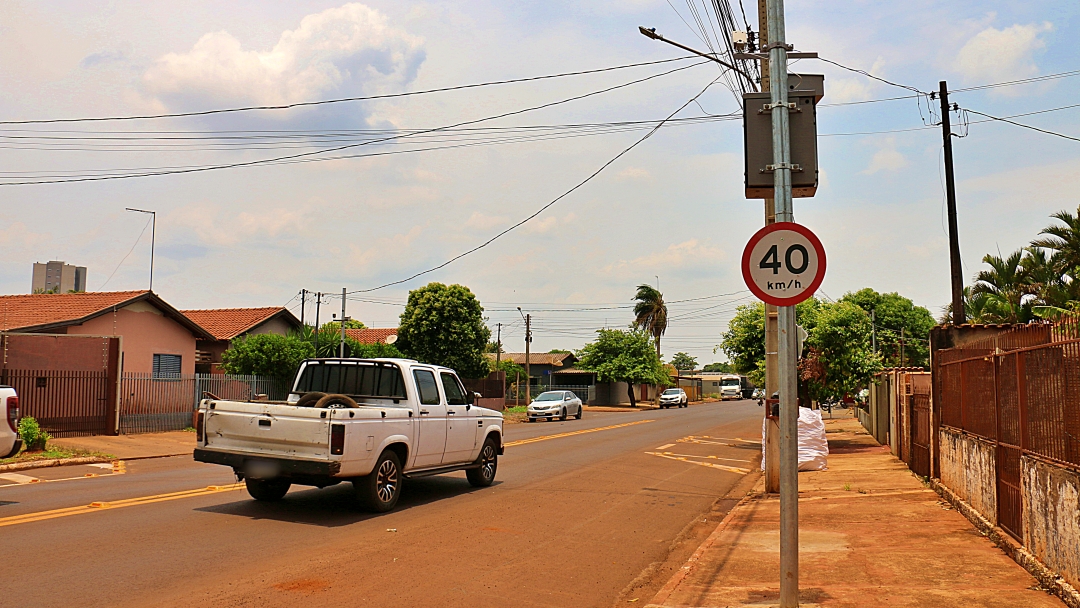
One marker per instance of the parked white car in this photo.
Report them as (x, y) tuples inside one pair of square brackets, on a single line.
[(555, 404), (10, 442), (372, 422), (673, 396)]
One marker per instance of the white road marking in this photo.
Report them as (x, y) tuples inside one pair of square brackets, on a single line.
[(102, 465), (710, 457), (739, 470), (665, 446), (17, 478)]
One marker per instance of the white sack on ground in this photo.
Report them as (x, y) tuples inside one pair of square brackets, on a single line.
[(813, 447)]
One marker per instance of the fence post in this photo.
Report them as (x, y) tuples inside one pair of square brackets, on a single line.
[(113, 380)]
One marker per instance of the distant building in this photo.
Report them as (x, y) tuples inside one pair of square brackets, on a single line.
[(58, 277)]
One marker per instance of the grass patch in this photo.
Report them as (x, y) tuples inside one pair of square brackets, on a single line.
[(188, 429), (517, 409), (50, 453)]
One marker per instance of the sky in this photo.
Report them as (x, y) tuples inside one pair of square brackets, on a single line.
[(670, 212)]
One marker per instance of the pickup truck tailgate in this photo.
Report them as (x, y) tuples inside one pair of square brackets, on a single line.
[(269, 429)]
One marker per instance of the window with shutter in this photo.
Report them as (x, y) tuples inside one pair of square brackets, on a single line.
[(166, 366)]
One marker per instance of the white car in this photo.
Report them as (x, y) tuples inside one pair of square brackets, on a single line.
[(372, 422), (10, 442), (673, 396), (555, 404)]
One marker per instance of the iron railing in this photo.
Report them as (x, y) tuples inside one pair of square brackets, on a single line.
[(150, 404), (64, 403)]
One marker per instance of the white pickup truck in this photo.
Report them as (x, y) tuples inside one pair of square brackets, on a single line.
[(373, 422), (10, 443)]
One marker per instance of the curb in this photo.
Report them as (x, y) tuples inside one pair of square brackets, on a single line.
[(1046, 577), (52, 462)]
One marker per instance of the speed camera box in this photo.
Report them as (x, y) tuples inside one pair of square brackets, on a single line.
[(757, 140)]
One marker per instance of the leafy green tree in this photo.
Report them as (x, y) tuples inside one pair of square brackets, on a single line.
[(839, 347), (744, 341), (329, 344), (683, 362), (267, 355), (444, 325), (513, 370), (650, 312), (559, 351), (893, 313), (336, 325), (623, 356), (723, 368)]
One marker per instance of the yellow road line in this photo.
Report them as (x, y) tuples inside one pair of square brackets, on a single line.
[(739, 470), (116, 504), (572, 433)]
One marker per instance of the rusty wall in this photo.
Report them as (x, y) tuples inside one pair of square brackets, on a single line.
[(968, 469), (1052, 516)]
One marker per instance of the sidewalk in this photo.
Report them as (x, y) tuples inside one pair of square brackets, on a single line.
[(126, 447), (870, 534)]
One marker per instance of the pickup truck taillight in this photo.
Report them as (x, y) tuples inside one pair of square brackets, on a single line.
[(199, 426), (13, 413), (337, 438)]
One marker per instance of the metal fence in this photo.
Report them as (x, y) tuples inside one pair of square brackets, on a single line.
[(1019, 390), (585, 393), (150, 404), (64, 403)]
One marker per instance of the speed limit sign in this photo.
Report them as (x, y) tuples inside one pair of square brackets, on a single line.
[(783, 264)]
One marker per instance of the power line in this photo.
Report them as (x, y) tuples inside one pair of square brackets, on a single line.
[(126, 255), (339, 100), (1011, 122), (339, 148), (545, 207)]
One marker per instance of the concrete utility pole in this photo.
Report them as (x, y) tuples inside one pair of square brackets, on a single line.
[(341, 348), (950, 195), (318, 303), (303, 304), (498, 345), (528, 340), (772, 384), (787, 338), (873, 331)]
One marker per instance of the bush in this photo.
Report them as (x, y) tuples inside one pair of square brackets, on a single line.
[(33, 437)]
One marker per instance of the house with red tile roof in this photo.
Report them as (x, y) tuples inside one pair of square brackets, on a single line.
[(372, 335), (155, 337), (227, 324)]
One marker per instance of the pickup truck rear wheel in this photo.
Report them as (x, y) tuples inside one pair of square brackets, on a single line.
[(379, 490), (488, 460), (267, 490)]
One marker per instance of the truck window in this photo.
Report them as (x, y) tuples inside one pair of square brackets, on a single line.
[(358, 380), (455, 395), (425, 382)]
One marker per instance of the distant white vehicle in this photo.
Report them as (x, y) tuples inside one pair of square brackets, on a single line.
[(674, 396), (10, 442), (555, 404)]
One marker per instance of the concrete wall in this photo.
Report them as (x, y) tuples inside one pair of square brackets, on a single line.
[(55, 352), (1052, 516), (146, 332), (969, 469), (277, 325)]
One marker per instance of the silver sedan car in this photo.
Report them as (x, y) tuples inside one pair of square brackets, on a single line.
[(555, 404)]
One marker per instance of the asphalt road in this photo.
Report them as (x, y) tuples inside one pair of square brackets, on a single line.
[(578, 513)]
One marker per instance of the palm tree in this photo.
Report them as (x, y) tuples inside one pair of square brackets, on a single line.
[(1064, 241), (650, 312), (1005, 284), (978, 309)]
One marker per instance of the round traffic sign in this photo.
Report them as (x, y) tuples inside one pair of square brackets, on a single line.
[(783, 264)]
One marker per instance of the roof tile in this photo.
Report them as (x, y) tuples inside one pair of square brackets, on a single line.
[(32, 310), (371, 335), (227, 323)]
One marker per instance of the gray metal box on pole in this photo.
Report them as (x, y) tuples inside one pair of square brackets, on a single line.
[(757, 138)]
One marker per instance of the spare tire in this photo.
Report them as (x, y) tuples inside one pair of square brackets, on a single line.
[(309, 399), (336, 401)]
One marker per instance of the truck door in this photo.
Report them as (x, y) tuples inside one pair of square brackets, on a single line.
[(431, 441), (460, 423)]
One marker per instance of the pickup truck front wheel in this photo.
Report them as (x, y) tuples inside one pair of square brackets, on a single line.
[(484, 475), (379, 490), (267, 490)]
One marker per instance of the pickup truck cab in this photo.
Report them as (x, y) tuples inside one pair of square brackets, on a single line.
[(10, 443), (372, 422)]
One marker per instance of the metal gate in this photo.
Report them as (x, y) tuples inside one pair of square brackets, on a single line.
[(919, 427), (64, 403)]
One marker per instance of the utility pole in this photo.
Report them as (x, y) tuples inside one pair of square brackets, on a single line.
[(902, 359), (303, 304), (787, 339), (341, 348), (772, 384), (528, 339), (318, 302), (950, 195), (873, 332), (498, 345)]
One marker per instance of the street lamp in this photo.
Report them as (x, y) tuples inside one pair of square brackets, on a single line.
[(153, 231)]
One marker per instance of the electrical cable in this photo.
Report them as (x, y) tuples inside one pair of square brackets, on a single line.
[(339, 100), (1018, 124), (545, 207), (126, 255), (339, 148)]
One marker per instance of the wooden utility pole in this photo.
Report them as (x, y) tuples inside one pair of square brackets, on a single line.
[(498, 346), (528, 372), (341, 348), (772, 343), (950, 196)]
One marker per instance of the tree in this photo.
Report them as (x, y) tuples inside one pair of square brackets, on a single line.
[(839, 358), (623, 356), (444, 325), (1064, 241), (744, 342), (513, 370), (267, 355), (893, 313), (650, 313), (559, 351), (684, 362), (723, 368), (336, 325), (1006, 284), (329, 344)]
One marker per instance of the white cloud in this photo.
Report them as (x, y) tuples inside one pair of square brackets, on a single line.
[(886, 159), (634, 173), (348, 45), (485, 222), (213, 229), (677, 255), (993, 55)]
